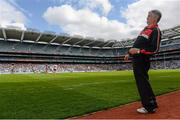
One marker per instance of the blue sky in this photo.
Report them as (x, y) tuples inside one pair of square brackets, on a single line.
[(107, 19), (35, 9)]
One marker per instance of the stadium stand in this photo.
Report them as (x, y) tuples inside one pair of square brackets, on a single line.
[(30, 51)]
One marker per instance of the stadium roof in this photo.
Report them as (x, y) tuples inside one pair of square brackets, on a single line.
[(51, 37), (35, 36)]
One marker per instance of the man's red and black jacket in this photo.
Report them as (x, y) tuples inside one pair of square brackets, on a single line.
[(148, 40)]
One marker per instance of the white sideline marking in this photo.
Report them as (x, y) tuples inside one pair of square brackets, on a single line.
[(94, 83)]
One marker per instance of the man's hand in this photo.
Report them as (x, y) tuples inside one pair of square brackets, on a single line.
[(133, 51), (126, 57)]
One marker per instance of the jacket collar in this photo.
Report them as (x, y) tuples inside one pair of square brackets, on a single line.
[(152, 26)]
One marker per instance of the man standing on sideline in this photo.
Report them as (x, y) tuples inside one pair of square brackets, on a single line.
[(146, 44)]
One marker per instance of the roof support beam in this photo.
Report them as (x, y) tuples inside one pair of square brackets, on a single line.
[(100, 44), (4, 34), (90, 43), (117, 44), (122, 45), (176, 31), (107, 44), (79, 42), (38, 37), (84, 43), (67, 40), (53, 39), (22, 36)]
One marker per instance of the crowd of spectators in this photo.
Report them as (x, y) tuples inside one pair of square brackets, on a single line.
[(58, 68), (170, 64)]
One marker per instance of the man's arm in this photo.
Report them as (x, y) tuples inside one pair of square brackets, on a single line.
[(131, 51)]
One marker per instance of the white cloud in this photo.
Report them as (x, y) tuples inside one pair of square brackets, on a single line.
[(136, 13), (105, 4), (10, 15), (86, 22)]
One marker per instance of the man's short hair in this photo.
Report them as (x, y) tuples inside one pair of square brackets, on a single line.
[(157, 13)]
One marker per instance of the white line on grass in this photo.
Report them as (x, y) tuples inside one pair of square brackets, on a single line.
[(93, 83)]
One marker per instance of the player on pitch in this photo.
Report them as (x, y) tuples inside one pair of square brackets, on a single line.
[(146, 44)]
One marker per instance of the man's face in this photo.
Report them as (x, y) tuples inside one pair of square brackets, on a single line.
[(150, 18)]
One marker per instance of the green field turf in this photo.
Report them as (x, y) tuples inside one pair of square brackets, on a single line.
[(71, 94)]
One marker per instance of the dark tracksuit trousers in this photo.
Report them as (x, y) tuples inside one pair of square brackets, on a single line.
[(141, 65)]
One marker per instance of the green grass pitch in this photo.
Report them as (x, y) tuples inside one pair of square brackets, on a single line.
[(66, 95)]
